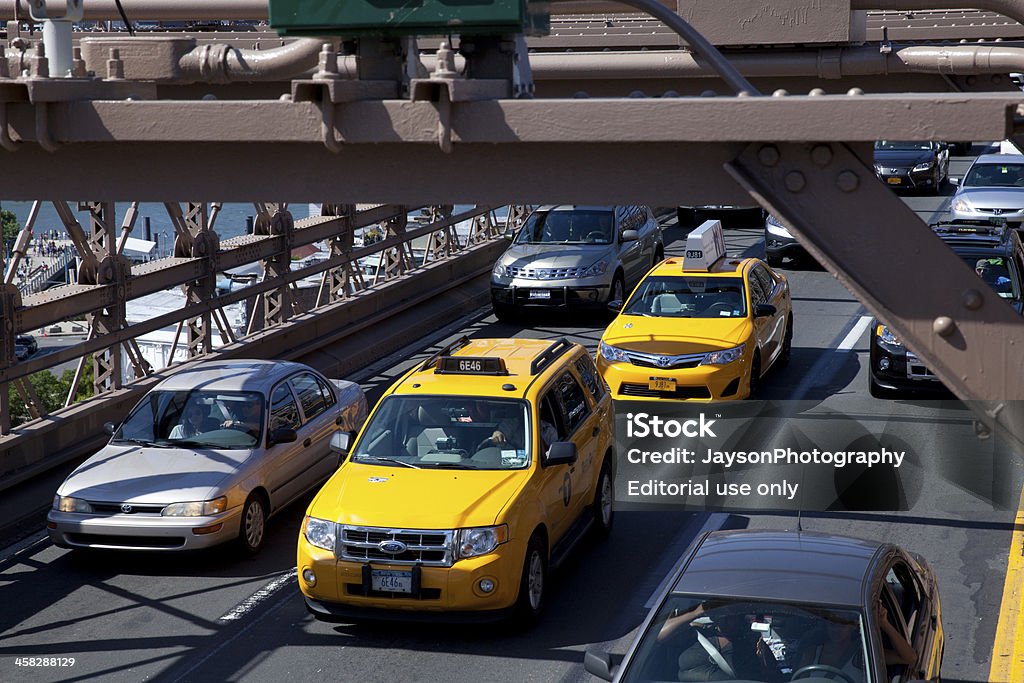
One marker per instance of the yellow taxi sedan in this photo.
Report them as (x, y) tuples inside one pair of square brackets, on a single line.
[(705, 327)]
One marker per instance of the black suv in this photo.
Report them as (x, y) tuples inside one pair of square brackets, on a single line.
[(998, 258), (28, 341)]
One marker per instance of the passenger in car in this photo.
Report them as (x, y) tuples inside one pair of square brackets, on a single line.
[(193, 422)]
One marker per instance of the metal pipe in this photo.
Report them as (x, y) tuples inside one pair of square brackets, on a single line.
[(1013, 9), (824, 64), (226, 64)]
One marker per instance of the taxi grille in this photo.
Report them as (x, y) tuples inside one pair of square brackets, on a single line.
[(427, 547), (680, 393)]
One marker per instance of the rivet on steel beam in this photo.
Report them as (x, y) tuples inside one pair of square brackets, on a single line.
[(743, 93), (996, 78), (581, 95), (972, 80), (670, 93), (943, 326), (972, 299), (781, 92), (854, 91), (795, 181), (709, 93), (821, 155), (638, 93), (115, 67), (286, 97), (847, 181), (768, 155), (816, 92)]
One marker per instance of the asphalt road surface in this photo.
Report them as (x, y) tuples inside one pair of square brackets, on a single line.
[(215, 617)]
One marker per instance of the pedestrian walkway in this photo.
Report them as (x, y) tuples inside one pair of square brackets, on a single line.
[(47, 262)]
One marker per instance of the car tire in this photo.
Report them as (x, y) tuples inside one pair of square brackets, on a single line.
[(532, 584), (787, 344), (602, 508), (774, 260), (252, 530), (503, 312), (618, 289)]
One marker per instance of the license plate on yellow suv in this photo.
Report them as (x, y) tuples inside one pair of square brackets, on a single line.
[(661, 384), (387, 581)]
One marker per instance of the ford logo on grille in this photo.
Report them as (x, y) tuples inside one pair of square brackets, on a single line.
[(392, 547), (126, 508)]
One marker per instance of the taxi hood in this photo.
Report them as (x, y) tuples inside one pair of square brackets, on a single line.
[(157, 476), (401, 497), (677, 336)]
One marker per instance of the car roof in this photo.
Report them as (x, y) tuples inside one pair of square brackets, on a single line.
[(231, 375), (518, 356), (574, 207), (787, 566), (673, 267), (999, 159)]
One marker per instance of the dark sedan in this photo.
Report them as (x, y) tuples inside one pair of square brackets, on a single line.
[(997, 257), (922, 166), (785, 606)]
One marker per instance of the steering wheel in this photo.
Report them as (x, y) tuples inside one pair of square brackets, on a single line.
[(594, 236), (823, 668), (720, 306)]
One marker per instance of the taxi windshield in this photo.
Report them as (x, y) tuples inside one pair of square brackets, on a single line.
[(195, 419), (755, 641), (447, 432), (999, 273), (568, 227), (688, 297), (995, 175)]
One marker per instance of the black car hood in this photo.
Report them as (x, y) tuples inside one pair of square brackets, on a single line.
[(902, 158)]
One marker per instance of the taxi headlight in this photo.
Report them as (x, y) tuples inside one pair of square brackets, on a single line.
[(612, 353), (962, 205), (202, 508), (597, 269), (68, 504), (320, 532), (480, 540), (888, 336), (926, 166), (723, 357), (500, 270), (775, 227)]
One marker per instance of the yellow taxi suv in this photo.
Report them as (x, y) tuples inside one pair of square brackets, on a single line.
[(706, 327), (476, 473)]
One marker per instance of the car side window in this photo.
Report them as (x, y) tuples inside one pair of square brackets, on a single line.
[(591, 378), (906, 593), (766, 280), (574, 404), (311, 395), (552, 422), (284, 412), (757, 293)]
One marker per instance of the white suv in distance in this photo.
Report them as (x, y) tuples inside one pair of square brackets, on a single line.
[(573, 257)]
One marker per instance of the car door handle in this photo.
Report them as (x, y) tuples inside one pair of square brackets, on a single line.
[(307, 442)]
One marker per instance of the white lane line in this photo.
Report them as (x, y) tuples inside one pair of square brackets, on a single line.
[(851, 339), (12, 551), (259, 596), (714, 522)]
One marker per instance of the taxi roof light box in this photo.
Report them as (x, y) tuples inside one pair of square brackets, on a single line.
[(704, 246)]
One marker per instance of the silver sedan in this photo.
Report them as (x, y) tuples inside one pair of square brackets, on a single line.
[(206, 457), (992, 189)]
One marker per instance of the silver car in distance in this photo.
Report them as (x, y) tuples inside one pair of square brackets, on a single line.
[(206, 457), (992, 190)]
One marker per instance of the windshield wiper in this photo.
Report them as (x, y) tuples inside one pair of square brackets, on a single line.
[(447, 466), (141, 442), (392, 460)]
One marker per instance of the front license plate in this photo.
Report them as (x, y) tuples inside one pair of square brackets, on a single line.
[(894, 181), (388, 581), (540, 294), (661, 384)]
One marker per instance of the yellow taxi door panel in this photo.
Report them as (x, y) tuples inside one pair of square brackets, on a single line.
[(556, 480), (762, 324)]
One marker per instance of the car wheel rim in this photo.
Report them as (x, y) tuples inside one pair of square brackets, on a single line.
[(535, 580), (606, 500), (254, 525)]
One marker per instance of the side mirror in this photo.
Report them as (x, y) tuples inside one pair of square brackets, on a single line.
[(615, 305), (510, 232), (283, 435), (599, 664), (561, 453), (629, 236), (109, 428), (954, 181), (341, 442), (764, 310)]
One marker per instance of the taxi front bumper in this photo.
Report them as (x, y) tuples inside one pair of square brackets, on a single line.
[(701, 383), (344, 589)]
